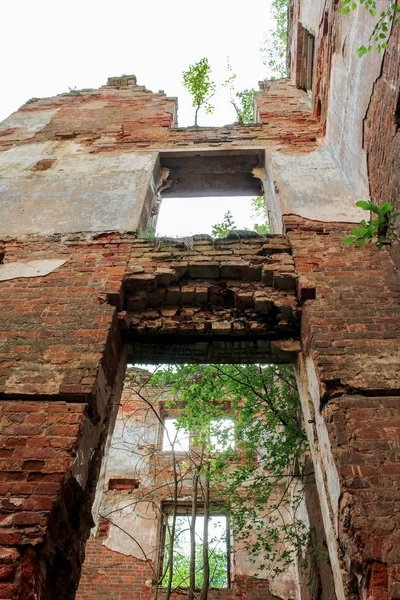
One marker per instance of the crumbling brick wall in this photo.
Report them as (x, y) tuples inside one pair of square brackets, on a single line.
[(350, 334), (382, 133), (60, 353)]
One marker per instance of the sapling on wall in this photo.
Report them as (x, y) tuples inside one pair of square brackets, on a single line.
[(380, 230)]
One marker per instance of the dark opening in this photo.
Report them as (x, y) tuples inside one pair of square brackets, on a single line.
[(219, 173), (397, 113)]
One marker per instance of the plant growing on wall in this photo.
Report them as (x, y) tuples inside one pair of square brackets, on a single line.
[(197, 80), (379, 230), (381, 30), (221, 230), (242, 102)]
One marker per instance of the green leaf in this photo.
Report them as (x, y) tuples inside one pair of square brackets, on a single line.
[(362, 242), (359, 230), (349, 240), (364, 204)]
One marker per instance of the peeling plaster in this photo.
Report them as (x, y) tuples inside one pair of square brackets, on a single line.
[(32, 268)]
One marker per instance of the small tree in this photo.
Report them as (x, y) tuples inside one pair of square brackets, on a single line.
[(242, 102), (200, 86)]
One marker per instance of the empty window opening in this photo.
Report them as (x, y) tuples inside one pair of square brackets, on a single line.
[(218, 550), (211, 193), (397, 113), (307, 61), (123, 483), (175, 438)]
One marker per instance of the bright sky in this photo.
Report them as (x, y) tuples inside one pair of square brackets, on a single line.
[(187, 216)]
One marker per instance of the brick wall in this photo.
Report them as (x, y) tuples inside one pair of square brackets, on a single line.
[(382, 132), (60, 350), (350, 331), (146, 121)]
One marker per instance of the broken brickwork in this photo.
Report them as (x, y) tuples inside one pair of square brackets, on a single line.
[(350, 341), (232, 287), (383, 150)]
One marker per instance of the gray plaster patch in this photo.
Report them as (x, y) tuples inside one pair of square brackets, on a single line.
[(313, 186), (31, 121), (80, 192), (32, 268)]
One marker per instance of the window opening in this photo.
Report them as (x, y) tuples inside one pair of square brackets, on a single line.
[(218, 551), (307, 62), (174, 439), (146, 485), (204, 189)]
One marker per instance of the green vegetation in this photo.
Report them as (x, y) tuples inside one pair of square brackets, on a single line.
[(381, 30), (379, 230), (242, 102), (276, 42), (221, 230), (253, 479), (200, 86), (181, 560)]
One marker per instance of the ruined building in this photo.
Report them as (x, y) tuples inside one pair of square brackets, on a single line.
[(81, 173)]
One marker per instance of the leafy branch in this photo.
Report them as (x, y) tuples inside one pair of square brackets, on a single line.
[(381, 30), (378, 230)]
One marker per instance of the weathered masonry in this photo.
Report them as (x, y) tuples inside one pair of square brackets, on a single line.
[(80, 174)]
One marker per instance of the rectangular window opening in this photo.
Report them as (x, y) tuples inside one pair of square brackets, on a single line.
[(211, 193), (218, 550), (222, 434), (174, 439)]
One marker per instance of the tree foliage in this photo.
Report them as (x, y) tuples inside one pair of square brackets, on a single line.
[(259, 215), (197, 80), (242, 102), (253, 480), (276, 42), (381, 30)]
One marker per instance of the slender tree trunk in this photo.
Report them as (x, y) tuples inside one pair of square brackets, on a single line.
[(192, 581), (206, 562), (172, 532), (196, 114)]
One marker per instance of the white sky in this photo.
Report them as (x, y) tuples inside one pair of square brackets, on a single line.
[(47, 47), (187, 216)]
